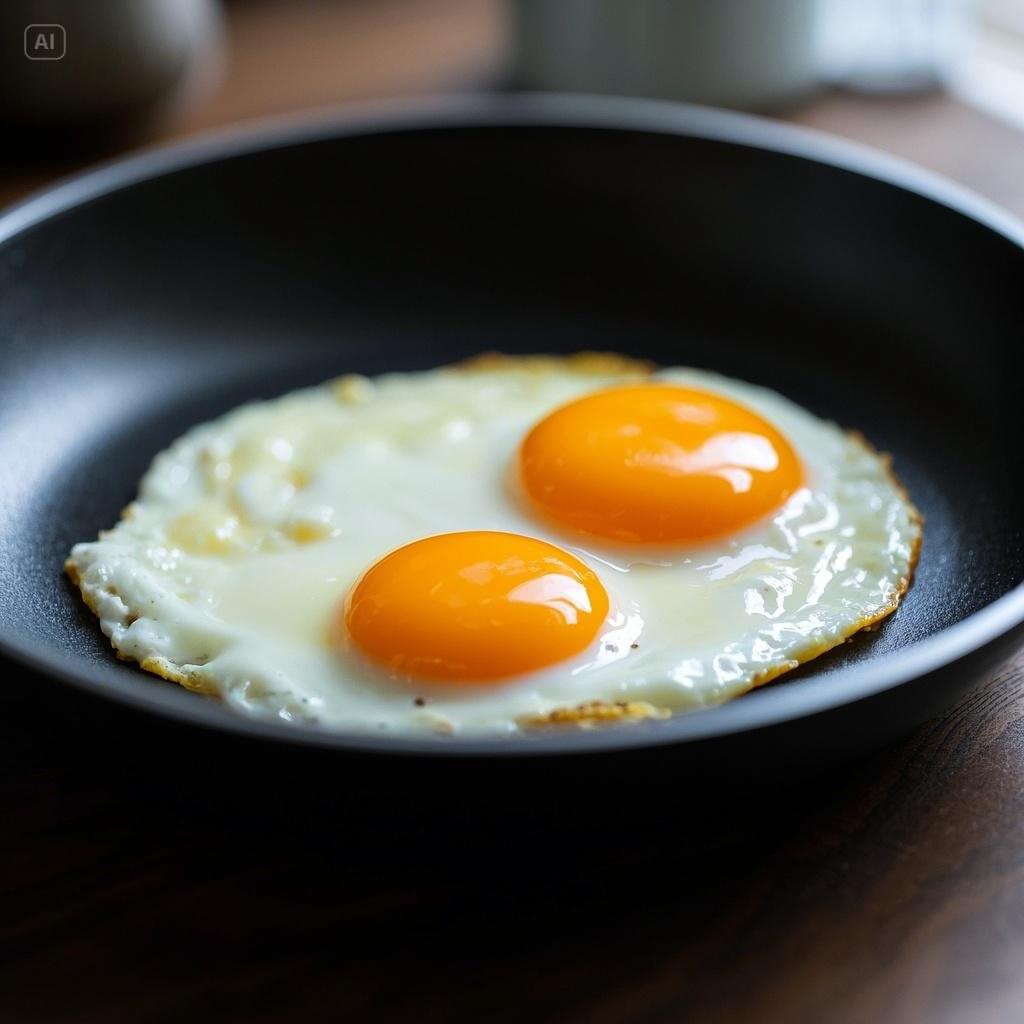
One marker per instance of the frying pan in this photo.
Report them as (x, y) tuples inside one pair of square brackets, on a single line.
[(162, 290)]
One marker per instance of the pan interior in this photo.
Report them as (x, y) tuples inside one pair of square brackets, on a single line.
[(129, 318)]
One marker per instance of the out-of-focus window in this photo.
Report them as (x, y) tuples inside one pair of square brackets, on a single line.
[(990, 73), (1002, 16)]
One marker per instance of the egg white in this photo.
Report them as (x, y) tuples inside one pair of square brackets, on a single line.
[(226, 573)]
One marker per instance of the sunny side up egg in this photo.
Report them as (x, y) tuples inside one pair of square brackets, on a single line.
[(504, 545)]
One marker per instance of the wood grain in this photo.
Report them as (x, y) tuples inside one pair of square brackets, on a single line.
[(891, 890)]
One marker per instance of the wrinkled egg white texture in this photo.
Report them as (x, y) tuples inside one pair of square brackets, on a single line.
[(227, 572)]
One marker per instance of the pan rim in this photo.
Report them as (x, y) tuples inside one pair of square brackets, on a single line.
[(796, 700)]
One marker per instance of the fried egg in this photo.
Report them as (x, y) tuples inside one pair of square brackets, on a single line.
[(501, 546)]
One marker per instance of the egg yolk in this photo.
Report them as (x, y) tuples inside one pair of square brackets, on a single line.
[(657, 463), (474, 607)]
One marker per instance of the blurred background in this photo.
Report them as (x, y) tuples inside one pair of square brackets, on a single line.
[(938, 81)]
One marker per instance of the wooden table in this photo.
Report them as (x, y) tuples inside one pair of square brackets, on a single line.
[(892, 890)]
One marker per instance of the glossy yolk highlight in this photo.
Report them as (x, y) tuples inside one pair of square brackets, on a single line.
[(657, 463), (474, 607)]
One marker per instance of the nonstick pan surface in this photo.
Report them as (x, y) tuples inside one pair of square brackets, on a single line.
[(160, 291)]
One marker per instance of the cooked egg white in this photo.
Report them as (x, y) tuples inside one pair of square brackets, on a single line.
[(228, 572)]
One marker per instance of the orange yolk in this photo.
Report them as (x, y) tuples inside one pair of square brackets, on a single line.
[(474, 607), (657, 463)]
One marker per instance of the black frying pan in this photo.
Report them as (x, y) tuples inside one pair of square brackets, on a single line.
[(163, 290)]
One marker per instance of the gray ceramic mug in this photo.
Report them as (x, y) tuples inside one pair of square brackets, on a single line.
[(739, 53)]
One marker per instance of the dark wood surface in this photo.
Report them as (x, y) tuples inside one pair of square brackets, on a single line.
[(138, 891), (892, 889)]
